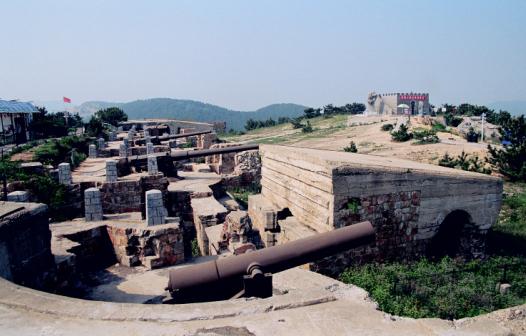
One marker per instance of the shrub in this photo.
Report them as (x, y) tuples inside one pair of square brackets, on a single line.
[(351, 148), (296, 123), (57, 151), (438, 127), (446, 289), (510, 161), (307, 128), (387, 127), (424, 136), (464, 162), (447, 161), (402, 134)]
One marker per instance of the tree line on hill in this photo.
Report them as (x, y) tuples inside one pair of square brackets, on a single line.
[(453, 114), (309, 113)]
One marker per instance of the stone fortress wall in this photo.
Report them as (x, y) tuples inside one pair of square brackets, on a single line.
[(410, 204)]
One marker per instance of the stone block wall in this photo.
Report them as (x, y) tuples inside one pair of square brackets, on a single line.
[(153, 247), (407, 202), (25, 245), (128, 196)]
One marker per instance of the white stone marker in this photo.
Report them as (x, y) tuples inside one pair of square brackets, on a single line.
[(64, 173), (111, 171), (155, 211), (92, 205), (123, 150), (101, 143), (149, 148), (112, 136), (152, 165), (18, 196), (130, 135), (92, 152)]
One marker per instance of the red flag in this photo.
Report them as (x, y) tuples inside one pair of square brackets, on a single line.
[(66, 100)]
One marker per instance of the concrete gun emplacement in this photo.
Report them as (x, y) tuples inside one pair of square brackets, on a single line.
[(250, 274)]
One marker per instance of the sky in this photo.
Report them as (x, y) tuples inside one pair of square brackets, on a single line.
[(247, 54)]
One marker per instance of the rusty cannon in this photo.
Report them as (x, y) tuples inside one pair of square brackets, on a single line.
[(165, 161), (188, 154), (157, 139), (250, 274)]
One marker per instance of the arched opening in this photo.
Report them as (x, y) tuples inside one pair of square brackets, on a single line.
[(450, 240), (412, 107)]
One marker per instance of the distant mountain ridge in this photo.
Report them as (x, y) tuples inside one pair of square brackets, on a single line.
[(193, 110)]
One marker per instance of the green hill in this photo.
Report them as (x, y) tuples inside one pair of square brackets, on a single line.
[(194, 110)]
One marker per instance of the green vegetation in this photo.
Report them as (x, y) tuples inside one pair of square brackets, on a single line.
[(241, 194), (425, 136), (70, 149), (252, 124), (465, 162), (52, 125), (307, 128), (438, 127), (353, 205), (447, 289), (387, 127), (111, 115), (351, 148), (510, 161), (195, 248), (402, 134), (450, 288)]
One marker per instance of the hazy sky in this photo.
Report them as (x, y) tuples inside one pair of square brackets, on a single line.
[(246, 54)]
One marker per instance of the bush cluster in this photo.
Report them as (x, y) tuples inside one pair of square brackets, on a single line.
[(70, 149), (351, 148), (402, 134), (387, 127), (446, 289), (425, 136), (465, 162)]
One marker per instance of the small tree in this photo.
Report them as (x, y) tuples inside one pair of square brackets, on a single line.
[(402, 134), (351, 148), (112, 115), (510, 161), (307, 128), (447, 161), (94, 127), (296, 123)]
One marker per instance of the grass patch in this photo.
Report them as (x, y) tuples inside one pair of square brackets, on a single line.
[(454, 289), (241, 194), (447, 289)]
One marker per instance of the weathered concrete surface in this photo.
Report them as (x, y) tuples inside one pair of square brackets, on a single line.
[(25, 250), (406, 201), (312, 305)]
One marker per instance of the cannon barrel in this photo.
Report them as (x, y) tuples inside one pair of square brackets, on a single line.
[(182, 135), (225, 275), (188, 154)]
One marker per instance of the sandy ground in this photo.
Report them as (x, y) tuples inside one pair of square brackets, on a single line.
[(335, 133)]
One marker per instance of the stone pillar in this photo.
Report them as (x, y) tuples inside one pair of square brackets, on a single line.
[(111, 171), (18, 196), (149, 148), (92, 205), (172, 130), (64, 173), (92, 152), (100, 143), (126, 142), (146, 132), (130, 135), (123, 150), (147, 139), (152, 165), (112, 136), (155, 211)]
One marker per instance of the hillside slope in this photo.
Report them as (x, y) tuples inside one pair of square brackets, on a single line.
[(193, 110)]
